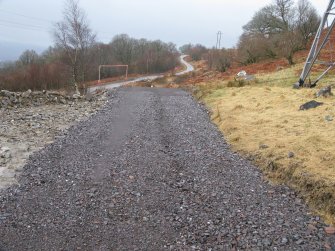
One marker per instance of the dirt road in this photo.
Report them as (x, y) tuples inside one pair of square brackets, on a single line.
[(189, 67), (150, 172), (110, 86)]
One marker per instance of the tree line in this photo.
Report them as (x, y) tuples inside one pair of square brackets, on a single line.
[(76, 55), (277, 30)]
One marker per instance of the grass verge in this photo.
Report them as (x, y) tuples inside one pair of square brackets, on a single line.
[(262, 121)]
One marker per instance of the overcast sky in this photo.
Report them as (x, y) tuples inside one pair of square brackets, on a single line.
[(28, 24)]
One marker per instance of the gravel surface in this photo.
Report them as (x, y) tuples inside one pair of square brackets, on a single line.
[(34, 124), (151, 172)]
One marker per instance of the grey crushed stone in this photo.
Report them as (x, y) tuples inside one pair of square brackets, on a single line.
[(151, 172), (29, 127)]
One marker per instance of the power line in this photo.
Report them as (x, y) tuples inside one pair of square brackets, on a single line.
[(41, 19), (23, 28), (21, 15), (26, 26), (21, 24)]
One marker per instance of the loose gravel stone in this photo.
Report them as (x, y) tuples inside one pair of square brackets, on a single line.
[(290, 155), (330, 230), (150, 172), (28, 128)]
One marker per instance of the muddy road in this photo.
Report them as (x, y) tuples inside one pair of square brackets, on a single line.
[(151, 172)]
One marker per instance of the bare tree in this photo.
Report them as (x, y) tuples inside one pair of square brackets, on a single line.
[(75, 37), (271, 19), (279, 29), (287, 43), (264, 22), (185, 48), (254, 47), (28, 57), (285, 11), (196, 52), (123, 48), (220, 60), (308, 21)]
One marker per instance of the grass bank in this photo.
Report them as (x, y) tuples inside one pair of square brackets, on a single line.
[(262, 121)]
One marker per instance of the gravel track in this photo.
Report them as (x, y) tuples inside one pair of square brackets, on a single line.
[(151, 172)]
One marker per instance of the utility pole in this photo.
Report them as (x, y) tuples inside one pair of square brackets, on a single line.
[(322, 39), (218, 40)]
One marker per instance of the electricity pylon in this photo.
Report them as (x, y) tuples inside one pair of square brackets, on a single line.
[(218, 40), (320, 42)]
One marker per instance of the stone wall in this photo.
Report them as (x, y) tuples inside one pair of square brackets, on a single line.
[(25, 99)]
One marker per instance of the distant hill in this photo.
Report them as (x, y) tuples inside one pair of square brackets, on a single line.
[(10, 51)]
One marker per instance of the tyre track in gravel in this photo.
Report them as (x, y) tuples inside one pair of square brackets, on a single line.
[(151, 172)]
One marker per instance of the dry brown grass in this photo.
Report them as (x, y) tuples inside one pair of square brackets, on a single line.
[(268, 115)]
